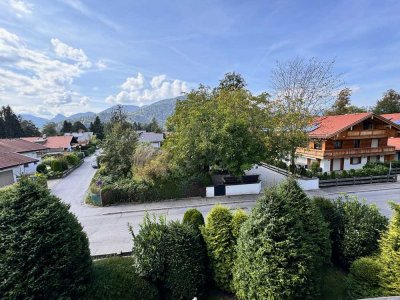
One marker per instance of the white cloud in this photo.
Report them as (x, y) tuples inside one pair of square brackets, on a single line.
[(31, 77), (84, 101), (137, 90), (65, 51), (20, 7), (101, 65)]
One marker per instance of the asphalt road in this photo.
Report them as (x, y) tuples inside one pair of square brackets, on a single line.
[(107, 227)]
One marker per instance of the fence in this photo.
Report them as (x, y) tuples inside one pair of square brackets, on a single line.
[(357, 180)]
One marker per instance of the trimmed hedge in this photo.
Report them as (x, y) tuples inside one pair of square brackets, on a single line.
[(193, 217), (238, 218), (41, 168), (363, 280), (72, 159), (59, 165), (44, 253), (115, 278)]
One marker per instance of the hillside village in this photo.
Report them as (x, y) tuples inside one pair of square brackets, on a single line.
[(219, 151)]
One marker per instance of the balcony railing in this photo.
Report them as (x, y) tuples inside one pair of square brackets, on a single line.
[(363, 133), (336, 153)]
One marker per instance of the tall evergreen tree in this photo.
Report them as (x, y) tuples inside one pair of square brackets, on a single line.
[(78, 125), (11, 123), (153, 126), (97, 128), (389, 104), (390, 255), (29, 129), (67, 127)]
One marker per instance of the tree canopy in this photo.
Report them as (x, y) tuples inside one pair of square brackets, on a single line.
[(50, 129), (343, 105), (389, 104), (97, 128), (221, 129)]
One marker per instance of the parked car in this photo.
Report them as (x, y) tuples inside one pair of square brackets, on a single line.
[(95, 164)]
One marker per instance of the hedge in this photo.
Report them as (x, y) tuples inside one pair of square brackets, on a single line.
[(41, 168), (115, 278), (193, 217), (59, 165), (72, 159)]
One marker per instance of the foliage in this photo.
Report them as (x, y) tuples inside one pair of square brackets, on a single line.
[(153, 126), (10, 123), (220, 242), (282, 247), (78, 125), (223, 129), (44, 253), (59, 165), (390, 255), (114, 278), (363, 279), (172, 256), (50, 129), (389, 104), (360, 228), (144, 153), (334, 284), (193, 217), (343, 105), (118, 148), (97, 128), (369, 169), (67, 127), (72, 159), (41, 168), (29, 129), (238, 218), (81, 155)]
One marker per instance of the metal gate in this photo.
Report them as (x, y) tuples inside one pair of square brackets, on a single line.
[(219, 190)]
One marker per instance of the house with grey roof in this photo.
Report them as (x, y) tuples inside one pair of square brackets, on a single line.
[(155, 139)]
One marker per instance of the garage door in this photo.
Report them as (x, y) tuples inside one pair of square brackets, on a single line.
[(6, 178)]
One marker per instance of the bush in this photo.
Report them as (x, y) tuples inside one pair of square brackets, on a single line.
[(171, 256), (194, 218), (390, 255), (72, 159), (44, 253), (363, 280), (41, 168), (115, 278), (217, 234), (59, 165), (238, 218), (281, 247), (111, 194), (360, 228), (81, 155), (86, 153)]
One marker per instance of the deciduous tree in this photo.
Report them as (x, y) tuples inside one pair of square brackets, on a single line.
[(389, 104)]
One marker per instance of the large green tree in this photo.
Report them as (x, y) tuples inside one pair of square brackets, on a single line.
[(389, 104), (44, 253), (78, 125), (342, 104), (97, 128), (10, 124), (29, 129), (222, 129), (67, 127), (50, 129), (281, 247)]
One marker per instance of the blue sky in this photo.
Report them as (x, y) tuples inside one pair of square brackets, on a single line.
[(68, 56)]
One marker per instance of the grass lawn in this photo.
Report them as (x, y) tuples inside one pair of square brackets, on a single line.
[(334, 284), (114, 278)]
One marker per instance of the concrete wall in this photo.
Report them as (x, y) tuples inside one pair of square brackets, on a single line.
[(243, 189), (210, 192)]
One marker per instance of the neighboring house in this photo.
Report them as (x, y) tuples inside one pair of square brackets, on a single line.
[(18, 157), (395, 141), (155, 139), (83, 137), (347, 142), (55, 144)]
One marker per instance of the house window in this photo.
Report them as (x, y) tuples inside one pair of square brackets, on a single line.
[(355, 160), (367, 125), (357, 143), (317, 145), (374, 143), (26, 165), (338, 144)]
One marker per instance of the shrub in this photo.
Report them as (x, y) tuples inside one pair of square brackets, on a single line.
[(81, 155), (72, 159), (171, 256), (115, 278), (360, 228), (193, 217), (59, 165), (363, 280), (315, 168), (44, 253), (41, 168), (111, 194), (217, 234), (238, 218), (281, 247), (86, 153), (390, 255)]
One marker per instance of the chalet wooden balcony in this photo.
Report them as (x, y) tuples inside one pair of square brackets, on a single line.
[(339, 153), (367, 133)]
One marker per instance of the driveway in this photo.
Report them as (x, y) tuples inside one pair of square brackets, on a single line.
[(107, 227)]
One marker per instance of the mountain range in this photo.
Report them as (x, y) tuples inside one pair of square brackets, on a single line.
[(159, 110)]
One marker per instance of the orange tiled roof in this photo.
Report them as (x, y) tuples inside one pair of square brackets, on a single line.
[(53, 142), (9, 160), (19, 146), (392, 117), (328, 126), (394, 141)]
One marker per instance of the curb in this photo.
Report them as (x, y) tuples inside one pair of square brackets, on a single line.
[(174, 207), (363, 191)]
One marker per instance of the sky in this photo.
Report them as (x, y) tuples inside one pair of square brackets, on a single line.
[(69, 56)]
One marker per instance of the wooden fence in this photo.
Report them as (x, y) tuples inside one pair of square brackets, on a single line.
[(357, 180)]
